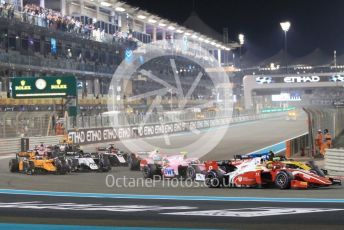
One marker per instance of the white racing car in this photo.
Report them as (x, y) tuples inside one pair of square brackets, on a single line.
[(89, 161), (115, 155)]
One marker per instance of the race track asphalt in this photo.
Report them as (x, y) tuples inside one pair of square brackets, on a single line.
[(239, 139), (161, 214)]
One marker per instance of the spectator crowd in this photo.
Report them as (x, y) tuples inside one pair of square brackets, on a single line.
[(55, 20), (6, 10), (49, 18)]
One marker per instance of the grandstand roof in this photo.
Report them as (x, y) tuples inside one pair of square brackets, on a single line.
[(340, 60), (132, 10), (315, 58), (195, 23), (278, 59)]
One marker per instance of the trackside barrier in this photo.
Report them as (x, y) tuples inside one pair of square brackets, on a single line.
[(295, 146), (328, 118), (12, 145), (334, 161), (324, 118), (110, 134), (51, 140), (123, 119), (298, 146)]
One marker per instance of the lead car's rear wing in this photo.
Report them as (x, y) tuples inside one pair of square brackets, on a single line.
[(142, 154)]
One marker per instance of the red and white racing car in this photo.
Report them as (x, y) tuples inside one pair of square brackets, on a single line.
[(257, 173)]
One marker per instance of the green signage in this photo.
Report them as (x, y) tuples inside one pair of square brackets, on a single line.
[(278, 109), (43, 87)]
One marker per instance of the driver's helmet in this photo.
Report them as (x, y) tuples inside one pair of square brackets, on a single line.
[(269, 165), (62, 148), (165, 161), (184, 153), (270, 155), (156, 157), (154, 152)]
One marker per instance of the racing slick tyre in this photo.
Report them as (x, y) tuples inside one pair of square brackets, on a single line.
[(125, 156), (316, 170), (25, 167), (283, 180), (69, 163), (75, 165), (133, 163), (13, 165), (324, 171), (213, 179), (62, 166), (149, 171), (114, 161), (30, 170), (191, 173), (104, 164)]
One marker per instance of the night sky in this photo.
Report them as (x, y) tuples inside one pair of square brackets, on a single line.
[(315, 23)]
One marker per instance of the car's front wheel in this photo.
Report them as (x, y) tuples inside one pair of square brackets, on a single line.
[(13, 165), (213, 179), (283, 180)]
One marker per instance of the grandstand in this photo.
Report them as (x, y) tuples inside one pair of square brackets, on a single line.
[(88, 39), (84, 38)]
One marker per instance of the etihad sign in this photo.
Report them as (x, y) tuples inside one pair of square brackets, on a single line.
[(301, 79)]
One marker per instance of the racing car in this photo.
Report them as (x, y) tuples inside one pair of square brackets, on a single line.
[(171, 166), (66, 147), (198, 170), (86, 162), (254, 173), (116, 156), (31, 163), (134, 159), (292, 116), (289, 163)]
